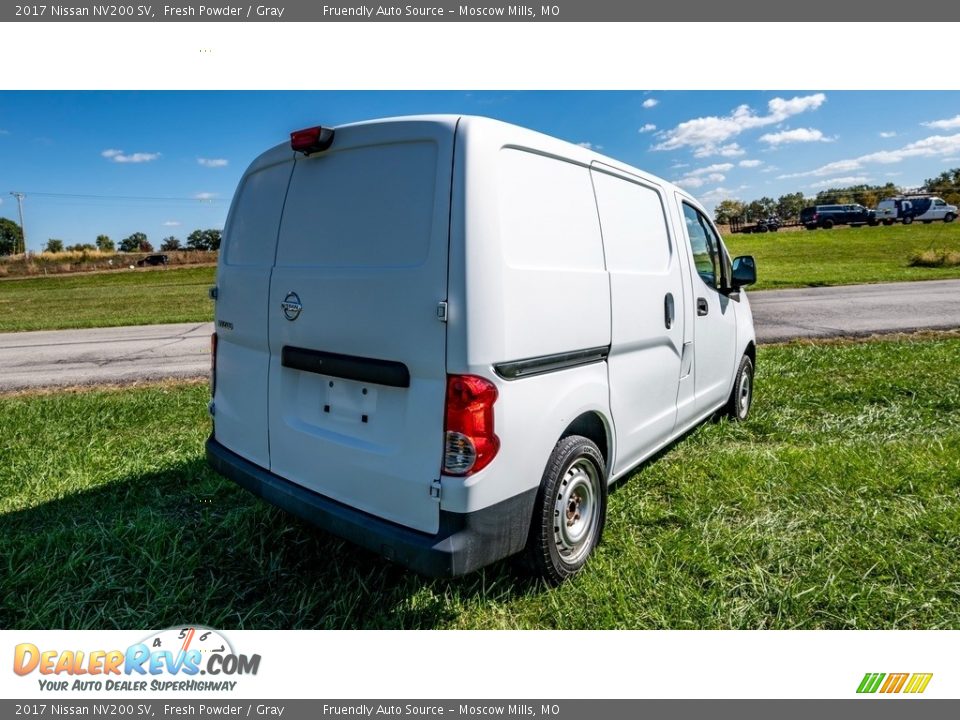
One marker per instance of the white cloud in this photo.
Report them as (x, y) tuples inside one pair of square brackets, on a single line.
[(205, 195), (933, 146), (948, 124), (650, 102), (750, 163), (792, 136), (702, 176), (171, 223), (888, 134), (213, 162), (729, 150), (4, 132), (590, 146), (841, 181), (649, 127), (721, 193), (120, 157), (677, 166), (706, 134)]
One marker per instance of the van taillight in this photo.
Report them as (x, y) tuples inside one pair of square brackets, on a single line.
[(213, 364), (311, 140), (469, 443)]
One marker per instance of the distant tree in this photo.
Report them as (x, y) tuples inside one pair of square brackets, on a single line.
[(11, 237), (170, 243), (946, 185), (105, 244), (133, 242), (145, 246), (756, 210), (769, 206), (53, 246), (790, 205), (204, 240), (867, 195), (80, 247), (727, 209)]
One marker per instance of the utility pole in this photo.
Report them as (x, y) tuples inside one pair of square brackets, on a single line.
[(23, 233)]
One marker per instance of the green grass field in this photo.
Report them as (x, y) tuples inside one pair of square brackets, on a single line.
[(141, 297), (841, 256), (835, 506), (846, 256)]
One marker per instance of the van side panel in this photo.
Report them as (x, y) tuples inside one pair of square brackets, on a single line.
[(646, 292), (243, 282), (526, 280)]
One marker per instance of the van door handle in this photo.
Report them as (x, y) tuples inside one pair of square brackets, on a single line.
[(702, 307), (668, 310)]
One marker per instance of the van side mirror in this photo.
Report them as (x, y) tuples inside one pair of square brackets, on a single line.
[(744, 272)]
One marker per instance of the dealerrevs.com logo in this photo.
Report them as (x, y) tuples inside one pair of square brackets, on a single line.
[(171, 660), (891, 683)]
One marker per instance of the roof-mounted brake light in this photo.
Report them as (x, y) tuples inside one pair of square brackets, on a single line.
[(311, 140)]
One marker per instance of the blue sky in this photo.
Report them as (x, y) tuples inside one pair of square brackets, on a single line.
[(166, 163)]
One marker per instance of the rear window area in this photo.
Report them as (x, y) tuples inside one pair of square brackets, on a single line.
[(364, 207)]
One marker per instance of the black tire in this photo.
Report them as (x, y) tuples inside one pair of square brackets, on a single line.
[(774, 228), (575, 477), (907, 220), (811, 227), (949, 217), (741, 397), (826, 224)]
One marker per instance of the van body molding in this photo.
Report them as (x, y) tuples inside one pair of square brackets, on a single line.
[(516, 369)]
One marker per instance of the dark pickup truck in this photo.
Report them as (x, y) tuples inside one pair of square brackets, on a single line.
[(826, 216)]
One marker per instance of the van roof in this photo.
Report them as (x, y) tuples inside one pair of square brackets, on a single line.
[(481, 124)]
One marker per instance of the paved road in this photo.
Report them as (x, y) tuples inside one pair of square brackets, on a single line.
[(111, 355), (103, 355), (856, 310)]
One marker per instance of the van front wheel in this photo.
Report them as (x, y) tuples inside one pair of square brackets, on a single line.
[(741, 398), (570, 510)]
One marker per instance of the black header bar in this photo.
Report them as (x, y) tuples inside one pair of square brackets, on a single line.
[(862, 16)]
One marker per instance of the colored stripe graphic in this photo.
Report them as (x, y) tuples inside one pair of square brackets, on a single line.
[(894, 683), (918, 682), (870, 682)]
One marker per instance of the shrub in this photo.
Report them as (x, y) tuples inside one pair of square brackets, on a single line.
[(935, 258)]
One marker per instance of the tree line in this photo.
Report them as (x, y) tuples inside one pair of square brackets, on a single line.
[(788, 207), (138, 242)]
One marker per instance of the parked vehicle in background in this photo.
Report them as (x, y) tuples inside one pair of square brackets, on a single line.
[(770, 224), (154, 260), (826, 216), (443, 337), (907, 208)]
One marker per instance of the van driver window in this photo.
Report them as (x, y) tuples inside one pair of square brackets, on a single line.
[(704, 245)]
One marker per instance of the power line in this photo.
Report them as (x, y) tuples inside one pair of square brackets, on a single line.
[(78, 196)]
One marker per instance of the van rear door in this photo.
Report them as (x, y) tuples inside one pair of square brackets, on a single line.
[(243, 281), (358, 354)]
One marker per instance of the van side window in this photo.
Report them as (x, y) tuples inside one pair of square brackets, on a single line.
[(705, 246)]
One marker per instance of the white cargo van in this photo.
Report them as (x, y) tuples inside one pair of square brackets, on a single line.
[(442, 337)]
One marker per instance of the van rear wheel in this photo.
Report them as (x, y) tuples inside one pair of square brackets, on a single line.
[(741, 397), (570, 510)]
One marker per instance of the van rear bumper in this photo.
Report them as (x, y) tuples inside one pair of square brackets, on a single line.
[(464, 543)]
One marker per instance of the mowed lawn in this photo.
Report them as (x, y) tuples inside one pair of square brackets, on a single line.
[(846, 256), (837, 505), (109, 299), (841, 256)]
